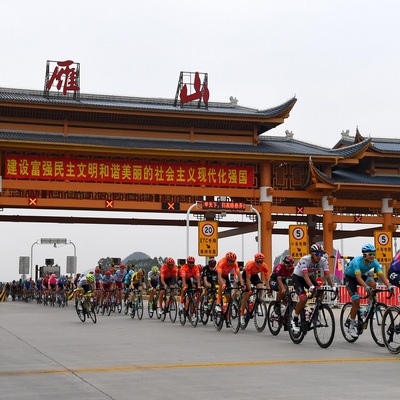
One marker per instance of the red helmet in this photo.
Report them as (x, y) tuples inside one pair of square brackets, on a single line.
[(230, 256), (170, 261), (108, 273), (288, 261), (259, 257), (190, 259), (212, 263), (97, 270), (122, 266)]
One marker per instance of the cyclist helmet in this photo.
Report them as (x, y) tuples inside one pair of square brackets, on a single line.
[(122, 266), (288, 261), (212, 263), (230, 256), (53, 276), (316, 247), (155, 270), (141, 271), (170, 261), (368, 248), (131, 272), (259, 257), (97, 270), (90, 278), (190, 260), (108, 273)]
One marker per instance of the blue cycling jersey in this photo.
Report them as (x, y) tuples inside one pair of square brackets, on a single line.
[(358, 266)]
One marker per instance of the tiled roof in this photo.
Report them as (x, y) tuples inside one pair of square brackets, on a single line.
[(344, 176), (140, 103)]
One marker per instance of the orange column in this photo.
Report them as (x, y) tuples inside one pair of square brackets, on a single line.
[(387, 212), (266, 206), (328, 228)]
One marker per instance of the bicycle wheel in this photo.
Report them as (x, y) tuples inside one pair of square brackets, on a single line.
[(79, 311), (391, 329), (345, 322), (139, 310), (218, 318), (234, 316), (297, 337), (182, 316), (193, 314), (246, 318), (324, 326), (133, 310), (274, 320), (119, 307), (203, 310), (164, 309), (109, 305), (126, 308), (375, 323), (260, 315), (150, 310), (92, 314), (172, 309)]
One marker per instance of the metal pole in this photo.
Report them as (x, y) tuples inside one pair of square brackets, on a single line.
[(32, 255), (75, 260), (187, 227), (258, 226)]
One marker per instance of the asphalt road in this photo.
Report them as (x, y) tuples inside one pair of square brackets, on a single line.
[(48, 353)]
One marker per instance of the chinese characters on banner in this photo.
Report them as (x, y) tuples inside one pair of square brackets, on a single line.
[(83, 170)]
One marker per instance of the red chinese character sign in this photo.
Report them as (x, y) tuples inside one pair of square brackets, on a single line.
[(84, 170), (64, 76), (192, 87)]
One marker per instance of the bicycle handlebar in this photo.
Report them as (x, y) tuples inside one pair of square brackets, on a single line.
[(377, 291)]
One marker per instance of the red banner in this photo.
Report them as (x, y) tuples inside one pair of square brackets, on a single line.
[(84, 170)]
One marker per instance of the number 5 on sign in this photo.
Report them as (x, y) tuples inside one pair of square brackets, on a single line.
[(298, 241)]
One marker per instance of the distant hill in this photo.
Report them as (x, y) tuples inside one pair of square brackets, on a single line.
[(137, 255)]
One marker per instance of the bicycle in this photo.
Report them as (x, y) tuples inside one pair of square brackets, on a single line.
[(207, 304), (190, 309), (137, 304), (168, 306), (230, 312), (85, 307), (319, 318), (107, 305), (391, 329), (374, 317), (277, 320), (255, 309)]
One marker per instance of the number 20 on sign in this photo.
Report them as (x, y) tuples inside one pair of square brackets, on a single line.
[(208, 238)]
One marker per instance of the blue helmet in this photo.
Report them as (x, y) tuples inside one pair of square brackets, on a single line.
[(368, 248), (131, 272)]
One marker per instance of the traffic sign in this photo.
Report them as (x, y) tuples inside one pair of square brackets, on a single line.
[(298, 241), (383, 245), (208, 239)]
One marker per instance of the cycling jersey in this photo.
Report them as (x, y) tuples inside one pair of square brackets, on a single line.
[(119, 275), (224, 268), (282, 270), (137, 278), (153, 276), (107, 279), (307, 264), (211, 275), (252, 268), (167, 273), (395, 264), (187, 272), (358, 266)]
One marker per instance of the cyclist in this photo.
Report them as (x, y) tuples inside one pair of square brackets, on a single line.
[(356, 275), (61, 287), (190, 275), (85, 285), (168, 277), (127, 283), (394, 272), (224, 267), (137, 283), (107, 284), (278, 280), (304, 277), (209, 275), (153, 279), (119, 277), (52, 284), (251, 276)]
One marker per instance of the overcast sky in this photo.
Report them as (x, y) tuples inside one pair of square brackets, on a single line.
[(340, 59)]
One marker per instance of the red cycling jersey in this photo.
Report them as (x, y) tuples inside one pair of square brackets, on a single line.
[(224, 268), (188, 273), (166, 272), (252, 268)]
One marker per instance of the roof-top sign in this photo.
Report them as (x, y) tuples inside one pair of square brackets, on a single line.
[(64, 76), (190, 89)]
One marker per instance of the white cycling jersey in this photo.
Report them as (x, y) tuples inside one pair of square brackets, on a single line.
[(306, 264)]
